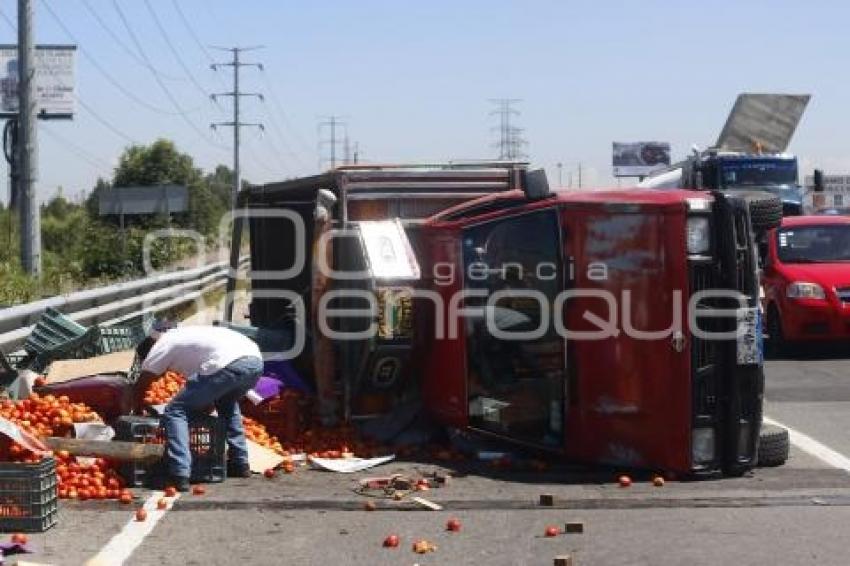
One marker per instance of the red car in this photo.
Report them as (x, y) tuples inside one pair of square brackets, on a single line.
[(807, 281)]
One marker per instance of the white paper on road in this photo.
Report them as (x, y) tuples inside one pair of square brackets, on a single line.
[(349, 465)]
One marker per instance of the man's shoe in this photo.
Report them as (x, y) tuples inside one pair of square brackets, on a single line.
[(180, 483), (235, 470)]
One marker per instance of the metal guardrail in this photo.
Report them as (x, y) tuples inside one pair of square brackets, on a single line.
[(114, 303)]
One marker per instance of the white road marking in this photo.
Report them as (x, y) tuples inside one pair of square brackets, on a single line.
[(811, 446), (122, 545)]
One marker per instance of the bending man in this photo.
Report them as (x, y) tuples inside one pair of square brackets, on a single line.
[(221, 366)]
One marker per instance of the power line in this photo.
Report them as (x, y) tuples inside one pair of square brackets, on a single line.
[(164, 88), (106, 74), (510, 142), (174, 50), (287, 148), (283, 115), (120, 42), (92, 159), (106, 124), (191, 30)]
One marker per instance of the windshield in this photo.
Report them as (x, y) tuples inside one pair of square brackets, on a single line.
[(758, 172), (814, 244)]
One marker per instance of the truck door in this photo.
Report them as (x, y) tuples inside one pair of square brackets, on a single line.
[(513, 271), (630, 395)]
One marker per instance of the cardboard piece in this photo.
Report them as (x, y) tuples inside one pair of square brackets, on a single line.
[(261, 458), (61, 371)]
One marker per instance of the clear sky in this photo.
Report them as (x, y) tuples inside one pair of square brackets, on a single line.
[(413, 79)]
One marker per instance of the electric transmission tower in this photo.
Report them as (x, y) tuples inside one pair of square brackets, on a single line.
[(511, 142), (336, 135), (237, 124)]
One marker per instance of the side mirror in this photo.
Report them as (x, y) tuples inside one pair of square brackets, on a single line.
[(536, 185)]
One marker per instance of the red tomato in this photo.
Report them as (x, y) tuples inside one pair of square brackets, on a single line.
[(19, 538), (391, 541), (625, 481), (552, 531), (453, 525), (270, 473), (141, 514)]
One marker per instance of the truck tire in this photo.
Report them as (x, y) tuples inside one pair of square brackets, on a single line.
[(774, 446), (765, 210)]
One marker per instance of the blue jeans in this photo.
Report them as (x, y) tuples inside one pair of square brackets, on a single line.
[(223, 390)]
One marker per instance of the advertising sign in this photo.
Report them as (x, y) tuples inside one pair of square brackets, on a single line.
[(639, 159), (156, 199), (54, 80)]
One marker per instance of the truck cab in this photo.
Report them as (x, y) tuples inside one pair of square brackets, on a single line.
[(617, 328), (746, 173)]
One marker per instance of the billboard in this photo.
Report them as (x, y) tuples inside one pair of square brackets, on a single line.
[(154, 199), (54, 80), (639, 159)]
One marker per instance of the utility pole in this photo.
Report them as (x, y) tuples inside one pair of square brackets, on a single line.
[(579, 174), (356, 152), (28, 140), (560, 174), (236, 124), (332, 123), (510, 137)]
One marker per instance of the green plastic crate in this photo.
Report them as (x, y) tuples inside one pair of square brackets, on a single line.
[(51, 331)]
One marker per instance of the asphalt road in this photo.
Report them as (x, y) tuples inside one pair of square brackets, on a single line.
[(795, 514)]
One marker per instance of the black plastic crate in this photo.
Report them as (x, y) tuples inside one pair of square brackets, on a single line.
[(28, 496), (206, 441)]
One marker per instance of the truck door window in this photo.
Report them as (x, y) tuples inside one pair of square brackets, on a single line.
[(515, 385)]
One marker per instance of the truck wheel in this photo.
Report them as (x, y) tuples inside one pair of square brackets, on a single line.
[(774, 446), (765, 210)]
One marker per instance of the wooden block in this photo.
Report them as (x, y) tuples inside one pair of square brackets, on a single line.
[(114, 450), (547, 500), (575, 527), (427, 504), (565, 560)]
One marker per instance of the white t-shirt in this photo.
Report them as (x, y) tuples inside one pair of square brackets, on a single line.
[(198, 349)]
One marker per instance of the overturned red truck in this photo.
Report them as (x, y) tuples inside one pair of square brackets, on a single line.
[(617, 327)]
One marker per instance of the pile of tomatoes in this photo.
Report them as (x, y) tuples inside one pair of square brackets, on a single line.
[(258, 433), (164, 388), (94, 480), (48, 415), (332, 442)]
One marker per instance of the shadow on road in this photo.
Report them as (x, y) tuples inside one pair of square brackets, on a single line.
[(813, 352)]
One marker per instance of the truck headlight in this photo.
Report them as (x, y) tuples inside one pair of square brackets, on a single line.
[(698, 235), (702, 445), (805, 290)]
